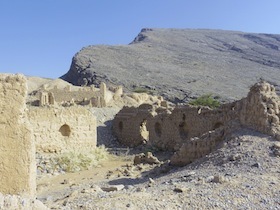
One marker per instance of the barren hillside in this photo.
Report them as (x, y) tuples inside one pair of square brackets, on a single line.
[(182, 63)]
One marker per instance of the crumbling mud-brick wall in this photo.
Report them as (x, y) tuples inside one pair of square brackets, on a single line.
[(167, 130), (130, 125), (198, 147), (260, 110), (17, 150), (60, 129), (199, 129), (170, 131)]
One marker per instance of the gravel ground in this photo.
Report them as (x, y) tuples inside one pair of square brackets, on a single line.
[(244, 173), (104, 117)]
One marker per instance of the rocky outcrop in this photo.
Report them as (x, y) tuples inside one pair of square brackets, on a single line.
[(180, 64)]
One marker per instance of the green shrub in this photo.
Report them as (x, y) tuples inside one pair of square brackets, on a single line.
[(143, 90), (206, 100), (140, 90)]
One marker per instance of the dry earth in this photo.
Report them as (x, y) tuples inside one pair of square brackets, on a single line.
[(244, 173)]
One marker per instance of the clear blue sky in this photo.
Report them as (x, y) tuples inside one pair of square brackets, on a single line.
[(40, 37)]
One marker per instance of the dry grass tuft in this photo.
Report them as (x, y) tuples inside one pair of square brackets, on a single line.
[(82, 160)]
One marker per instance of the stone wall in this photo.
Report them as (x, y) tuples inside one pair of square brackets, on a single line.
[(195, 131), (258, 111), (164, 128), (60, 129), (130, 123), (17, 150)]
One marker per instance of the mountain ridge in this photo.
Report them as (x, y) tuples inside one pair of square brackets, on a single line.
[(181, 64)]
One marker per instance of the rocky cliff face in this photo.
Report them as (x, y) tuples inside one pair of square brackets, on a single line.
[(182, 63)]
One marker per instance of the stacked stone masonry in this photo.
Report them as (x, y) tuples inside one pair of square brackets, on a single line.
[(196, 131)]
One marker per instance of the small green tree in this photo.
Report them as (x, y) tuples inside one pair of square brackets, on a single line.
[(206, 100)]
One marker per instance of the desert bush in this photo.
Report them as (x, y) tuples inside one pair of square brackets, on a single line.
[(206, 100), (101, 153), (140, 90), (143, 90), (82, 160)]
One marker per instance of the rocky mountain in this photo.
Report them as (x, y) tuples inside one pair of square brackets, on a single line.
[(180, 64)]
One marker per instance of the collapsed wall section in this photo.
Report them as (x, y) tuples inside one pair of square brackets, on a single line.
[(260, 110), (195, 131), (198, 147), (17, 151), (61, 129), (168, 130)]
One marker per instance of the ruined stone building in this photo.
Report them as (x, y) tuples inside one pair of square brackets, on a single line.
[(69, 95), (60, 124), (196, 131), (78, 96), (46, 98)]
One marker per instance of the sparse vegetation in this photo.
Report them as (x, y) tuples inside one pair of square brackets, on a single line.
[(142, 90), (82, 160), (206, 100)]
